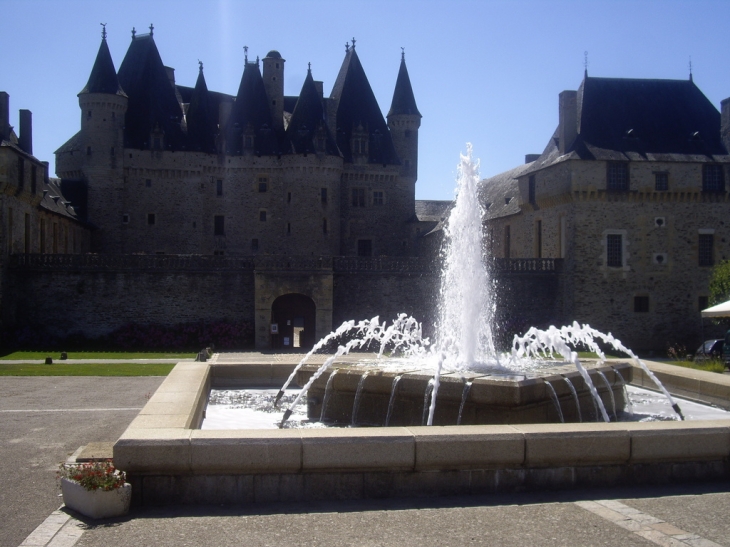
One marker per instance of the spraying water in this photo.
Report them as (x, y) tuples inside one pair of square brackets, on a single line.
[(464, 340)]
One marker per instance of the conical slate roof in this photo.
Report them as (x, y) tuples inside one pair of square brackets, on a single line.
[(307, 123), (153, 104), (103, 77), (357, 108), (403, 100), (251, 115), (202, 119)]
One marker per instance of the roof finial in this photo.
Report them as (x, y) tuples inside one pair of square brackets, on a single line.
[(134, 33), (585, 64), (200, 65), (347, 47), (309, 67), (152, 29), (690, 69), (103, 31), (353, 42), (257, 60), (402, 54), (245, 54)]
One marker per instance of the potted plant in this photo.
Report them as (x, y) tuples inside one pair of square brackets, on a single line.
[(95, 489)]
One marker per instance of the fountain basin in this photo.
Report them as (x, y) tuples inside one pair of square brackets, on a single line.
[(170, 461), (490, 399)]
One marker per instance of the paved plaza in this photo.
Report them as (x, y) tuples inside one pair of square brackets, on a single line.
[(44, 420)]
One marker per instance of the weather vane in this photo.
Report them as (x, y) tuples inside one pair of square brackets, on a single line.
[(200, 64), (103, 30), (152, 29), (402, 53), (585, 62), (134, 33), (347, 47), (309, 67), (245, 53), (353, 42)]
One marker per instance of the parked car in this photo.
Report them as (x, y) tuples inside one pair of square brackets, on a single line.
[(726, 350), (711, 349)]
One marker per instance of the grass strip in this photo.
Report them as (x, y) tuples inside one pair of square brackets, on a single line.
[(708, 366), (88, 369), (27, 355)]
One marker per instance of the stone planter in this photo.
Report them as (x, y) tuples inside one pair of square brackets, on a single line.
[(96, 504)]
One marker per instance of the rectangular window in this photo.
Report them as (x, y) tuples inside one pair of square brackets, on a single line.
[(617, 176), (324, 225), (219, 225), (507, 241), (364, 247), (33, 175), (151, 219), (262, 216), (219, 188), (263, 184), (21, 173), (323, 195), (288, 228), (706, 244), (148, 183), (358, 197), (378, 198), (641, 304), (10, 230), (538, 239), (43, 236), (26, 243), (254, 244), (712, 178), (614, 251), (125, 219), (661, 182), (531, 189)]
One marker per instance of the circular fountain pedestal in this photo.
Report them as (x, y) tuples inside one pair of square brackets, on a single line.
[(490, 399)]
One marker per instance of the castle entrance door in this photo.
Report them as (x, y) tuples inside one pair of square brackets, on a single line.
[(294, 315)]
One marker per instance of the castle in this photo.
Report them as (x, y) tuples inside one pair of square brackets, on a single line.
[(179, 204)]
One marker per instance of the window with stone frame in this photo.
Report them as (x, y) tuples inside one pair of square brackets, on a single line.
[(617, 176), (254, 244), (323, 195), (713, 179), (263, 184), (531, 190), (219, 225), (262, 215), (151, 219), (219, 188), (378, 198), (705, 250), (661, 182), (614, 251), (364, 247), (358, 197)]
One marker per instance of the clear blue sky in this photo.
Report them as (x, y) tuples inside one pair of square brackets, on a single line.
[(486, 72)]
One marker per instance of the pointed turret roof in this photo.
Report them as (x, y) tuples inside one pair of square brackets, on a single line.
[(308, 121), (153, 104), (202, 120), (251, 113), (356, 107), (403, 100), (103, 77)]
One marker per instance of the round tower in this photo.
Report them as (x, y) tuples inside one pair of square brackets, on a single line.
[(273, 77), (404, 119)]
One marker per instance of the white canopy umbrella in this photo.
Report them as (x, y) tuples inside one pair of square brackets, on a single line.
[(719, 310)]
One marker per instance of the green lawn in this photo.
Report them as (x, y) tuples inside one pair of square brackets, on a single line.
[(709, 366), (59, 368), (56, 355)]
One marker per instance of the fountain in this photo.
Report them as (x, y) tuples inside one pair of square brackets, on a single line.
[(456, 379), (464, 349)]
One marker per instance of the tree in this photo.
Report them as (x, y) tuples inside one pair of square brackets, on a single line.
[(720, 283)]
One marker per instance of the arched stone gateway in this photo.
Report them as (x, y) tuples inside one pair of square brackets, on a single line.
[(294, 316), (298, 290)]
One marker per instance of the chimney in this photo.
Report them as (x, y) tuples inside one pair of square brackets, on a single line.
[(725, 123), (529, 158), (568, 123), (25, 139), (4, 115)]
